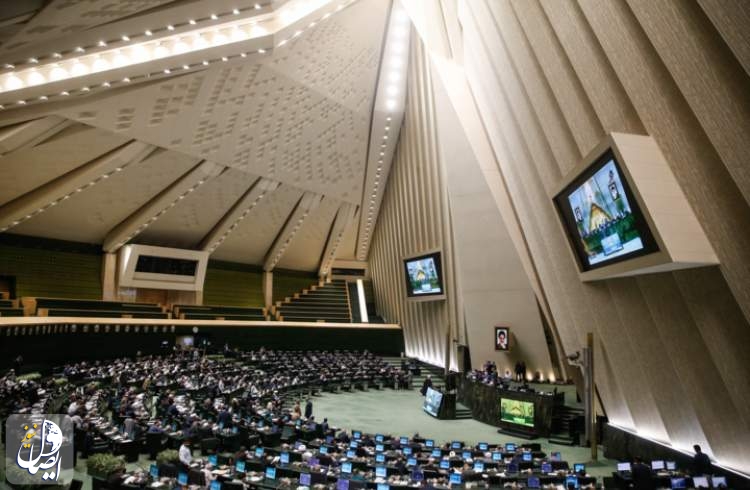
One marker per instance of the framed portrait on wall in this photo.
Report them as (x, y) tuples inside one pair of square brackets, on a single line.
[(502, 338)]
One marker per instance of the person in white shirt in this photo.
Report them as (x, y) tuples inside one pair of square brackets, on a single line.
[(184, 453), (73, 407)]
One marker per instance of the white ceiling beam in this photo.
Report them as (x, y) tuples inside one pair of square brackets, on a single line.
[(31, 133), (87, 175), (344, 218), (134, 224), (260, 189), (307, 203)]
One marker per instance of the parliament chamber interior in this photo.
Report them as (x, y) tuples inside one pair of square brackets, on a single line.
[(374, 244)]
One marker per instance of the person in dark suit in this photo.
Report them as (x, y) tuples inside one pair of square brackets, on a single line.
[(308, 409), (701, 462), (642, 477), (427, 384)]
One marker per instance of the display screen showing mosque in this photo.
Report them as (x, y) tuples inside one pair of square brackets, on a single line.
[(602, 217)]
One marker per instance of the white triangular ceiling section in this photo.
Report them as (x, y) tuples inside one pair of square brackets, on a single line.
[(300, 116)]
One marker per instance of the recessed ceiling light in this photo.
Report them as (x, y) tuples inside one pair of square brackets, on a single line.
[(214, 16), (125, 38), (192, 22), (148, 32)]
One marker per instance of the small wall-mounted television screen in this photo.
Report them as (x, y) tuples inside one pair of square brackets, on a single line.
[(424, 276), (602, 218), (517, 412), (432, 401)]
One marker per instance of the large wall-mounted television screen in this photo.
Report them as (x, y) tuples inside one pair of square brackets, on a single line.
[(602, 218), (424, 276), (517, 412), (432, 401)]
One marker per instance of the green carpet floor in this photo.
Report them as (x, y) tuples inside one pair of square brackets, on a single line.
[(400, 413)]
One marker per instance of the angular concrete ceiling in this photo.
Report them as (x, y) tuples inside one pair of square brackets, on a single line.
[(247, 129)]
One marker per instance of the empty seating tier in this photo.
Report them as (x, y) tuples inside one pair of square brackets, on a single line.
[(208, 312), (7, 311), (91, 308), (327, 302)]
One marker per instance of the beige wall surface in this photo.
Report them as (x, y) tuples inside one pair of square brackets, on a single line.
[(492, 284), (549, 79)]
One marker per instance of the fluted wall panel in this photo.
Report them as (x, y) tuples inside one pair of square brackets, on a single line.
[(550, 78), (414, 218)]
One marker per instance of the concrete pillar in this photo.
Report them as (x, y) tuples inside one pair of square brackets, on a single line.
[(268, 289), (109, 277)]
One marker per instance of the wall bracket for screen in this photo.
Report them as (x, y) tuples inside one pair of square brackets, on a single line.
[(624, 213)]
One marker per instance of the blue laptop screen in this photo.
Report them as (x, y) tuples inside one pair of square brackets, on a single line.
[(429, 443), (240, 466), (351, 453), (411, 462), (346, 467), (380, 472), (479, 466), (304, 479), (182, 478), (510, 447), (271, 473), (445, 464), (323, 449), (215, 485), (153, 470), (455, 479), (258, 452), (342, 484), (497, 456), (379, 448), (527, 456), (436, 453), (380, 458), (455, 445), (213, 459), (379, 437), (284, 458), (483, 446)]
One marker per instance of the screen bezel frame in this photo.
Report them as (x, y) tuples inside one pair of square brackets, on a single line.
[(567, 218), (440, 270), (516, 424)]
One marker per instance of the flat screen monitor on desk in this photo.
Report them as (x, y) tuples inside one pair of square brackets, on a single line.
[(436, 453), (411, 462), (380, 458), (479, 467), (323, 449), (679, 482), (429, 443), (239, 466), (380, 472), (555, 456), (623, 467), (351, 453), (546, 467), (258, 452), (346, 468), (497, 456), (483, 446), (357, 434), (510, 447), (579, 468), (671, 465), (700, 482), (455, 479), (719, 481), (354, 444), (342, 484), (304, 479), (456, 445), (284, 458), (466, 455), (379, 438), (153, 470), (403, 440), (379, 448), (213, 460), (657, 465), (383, 486), (406, 451), (215, 485), (533, 482), (270, 473), (527, 457), (445, 464), (571, 480)]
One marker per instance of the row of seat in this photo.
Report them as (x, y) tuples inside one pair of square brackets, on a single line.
[(194, 312), (326, 302)]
